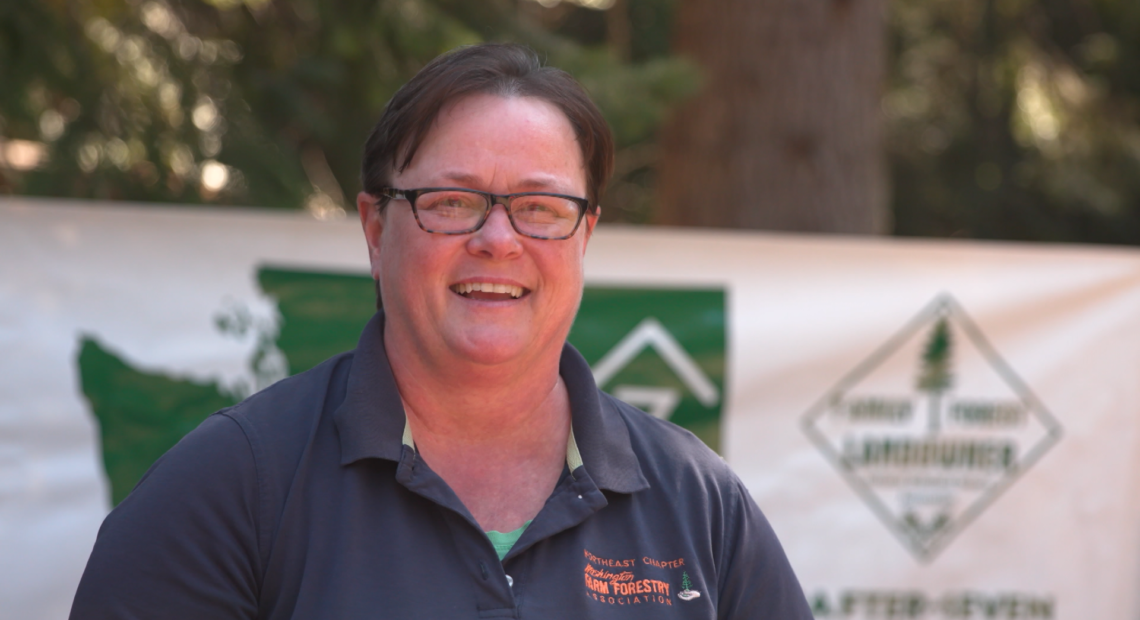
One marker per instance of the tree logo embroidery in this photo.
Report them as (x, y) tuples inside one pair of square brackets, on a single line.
[(932, 428), (687, 592)]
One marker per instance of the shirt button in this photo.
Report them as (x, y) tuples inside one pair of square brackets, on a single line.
[(510, 581)]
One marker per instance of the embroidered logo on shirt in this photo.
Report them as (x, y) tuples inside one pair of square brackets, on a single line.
[(635, 581), (687, 592)]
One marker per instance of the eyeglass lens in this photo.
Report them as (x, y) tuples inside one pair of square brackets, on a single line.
[(459, 211)]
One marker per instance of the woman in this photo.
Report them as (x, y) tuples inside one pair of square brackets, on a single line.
[(460, 463)]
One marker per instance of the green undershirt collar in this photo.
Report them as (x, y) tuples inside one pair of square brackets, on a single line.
[(503, 541)]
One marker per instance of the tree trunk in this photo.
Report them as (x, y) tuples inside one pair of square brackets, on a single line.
[(785, 133)]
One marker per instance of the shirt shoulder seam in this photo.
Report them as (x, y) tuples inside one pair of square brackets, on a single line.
[(261, 506)]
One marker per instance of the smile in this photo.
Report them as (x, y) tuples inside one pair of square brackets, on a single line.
[(488, 291)]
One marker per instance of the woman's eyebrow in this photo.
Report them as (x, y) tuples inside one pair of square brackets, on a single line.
[(538, 182), (463, 178), (542, 183)]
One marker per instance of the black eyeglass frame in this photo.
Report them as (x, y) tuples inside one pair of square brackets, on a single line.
[(492, 199)]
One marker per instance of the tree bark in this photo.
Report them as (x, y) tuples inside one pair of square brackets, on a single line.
[(785, 133)]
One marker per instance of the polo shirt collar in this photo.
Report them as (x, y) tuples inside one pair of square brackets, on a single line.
[(599, 429), (371, 420)]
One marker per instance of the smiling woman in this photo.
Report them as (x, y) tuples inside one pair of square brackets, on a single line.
[(463, 442), (500, 145)]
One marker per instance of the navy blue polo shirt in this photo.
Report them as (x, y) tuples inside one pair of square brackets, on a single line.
[(304, 501)]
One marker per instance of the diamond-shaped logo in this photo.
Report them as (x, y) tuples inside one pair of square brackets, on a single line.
[(932, 428)]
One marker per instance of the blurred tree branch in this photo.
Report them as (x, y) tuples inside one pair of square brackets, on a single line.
[(263, 102)]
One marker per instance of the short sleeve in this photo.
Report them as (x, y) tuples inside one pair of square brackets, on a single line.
[(757, 581), (183, 544)]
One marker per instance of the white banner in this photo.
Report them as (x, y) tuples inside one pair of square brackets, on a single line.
[(935, 429)]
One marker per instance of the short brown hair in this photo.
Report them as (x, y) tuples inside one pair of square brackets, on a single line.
[(504, 69)]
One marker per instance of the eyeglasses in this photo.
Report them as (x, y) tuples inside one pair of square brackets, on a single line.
[(456, 211)]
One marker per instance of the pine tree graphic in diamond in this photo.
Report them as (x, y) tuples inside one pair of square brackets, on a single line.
[(935, 379), (931, 470), (936, 376), (687, 592)]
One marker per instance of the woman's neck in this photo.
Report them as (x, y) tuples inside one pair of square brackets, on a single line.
[(465, 402), (496, 435)]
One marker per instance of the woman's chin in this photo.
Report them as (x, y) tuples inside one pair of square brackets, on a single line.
[(492, 347)]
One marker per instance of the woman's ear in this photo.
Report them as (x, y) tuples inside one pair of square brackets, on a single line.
[(372, 221)]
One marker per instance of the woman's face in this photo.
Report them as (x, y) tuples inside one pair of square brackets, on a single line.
[(498, 145)]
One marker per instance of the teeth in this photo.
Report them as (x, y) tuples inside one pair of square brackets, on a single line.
[(487, 287)]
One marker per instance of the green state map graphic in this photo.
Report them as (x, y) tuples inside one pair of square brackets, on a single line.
[(143, 414)]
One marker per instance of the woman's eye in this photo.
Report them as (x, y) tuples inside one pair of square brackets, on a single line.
[(535, 207), (445, 202)]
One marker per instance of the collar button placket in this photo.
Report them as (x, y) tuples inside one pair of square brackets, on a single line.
[(489, 581)]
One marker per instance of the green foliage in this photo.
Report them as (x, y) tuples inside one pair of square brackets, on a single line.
[(1016, 120), (1005, 119), (686, 585), (268, 102), (937, 358)]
